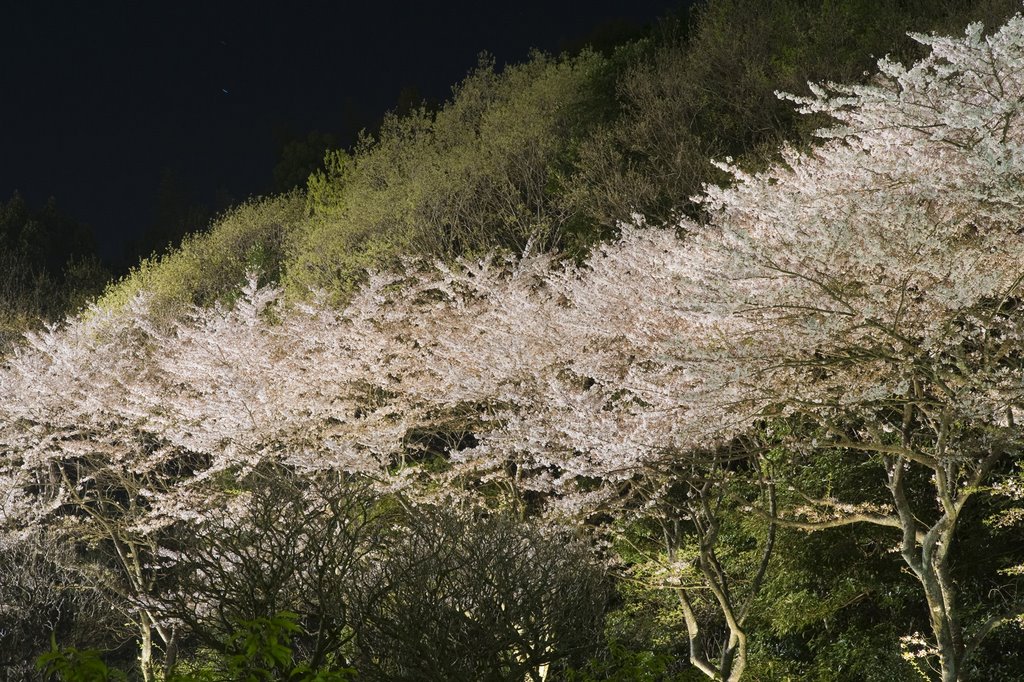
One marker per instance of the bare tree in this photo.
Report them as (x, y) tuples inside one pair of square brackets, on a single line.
[(459, 596)]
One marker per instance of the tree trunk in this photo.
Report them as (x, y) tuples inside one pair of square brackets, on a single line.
[(927, 555), (171, 654), (146, 647)]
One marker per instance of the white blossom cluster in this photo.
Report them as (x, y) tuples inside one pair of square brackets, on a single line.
[(884, 261)]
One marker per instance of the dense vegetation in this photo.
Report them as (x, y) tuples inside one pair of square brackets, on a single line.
[(455, 412)]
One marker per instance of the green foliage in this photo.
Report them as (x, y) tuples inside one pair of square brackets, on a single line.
[(259, 651), (73, 665), (211, 266), (261, 647), (832, 596), (622, 664), (485, 171), (551, 153)]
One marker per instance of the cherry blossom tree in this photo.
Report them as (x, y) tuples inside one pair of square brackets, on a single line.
[(77, 459), (118, 430), (873, 286), (866, 291)]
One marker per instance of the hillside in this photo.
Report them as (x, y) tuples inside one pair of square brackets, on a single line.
[(555, 152)]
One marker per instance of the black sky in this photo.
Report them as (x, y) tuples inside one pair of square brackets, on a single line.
[(98, 98)]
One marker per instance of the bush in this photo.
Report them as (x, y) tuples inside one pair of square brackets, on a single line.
[(483, 172), (293, 544), (464, 598), (45, 591), (212, 266)]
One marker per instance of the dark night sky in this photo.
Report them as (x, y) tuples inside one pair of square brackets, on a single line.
[(97, 98)]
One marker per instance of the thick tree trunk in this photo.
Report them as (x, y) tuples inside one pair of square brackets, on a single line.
[(926, 553), (146, 648), (693, 635), (733, 660), (734, 657), (703, 513)]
